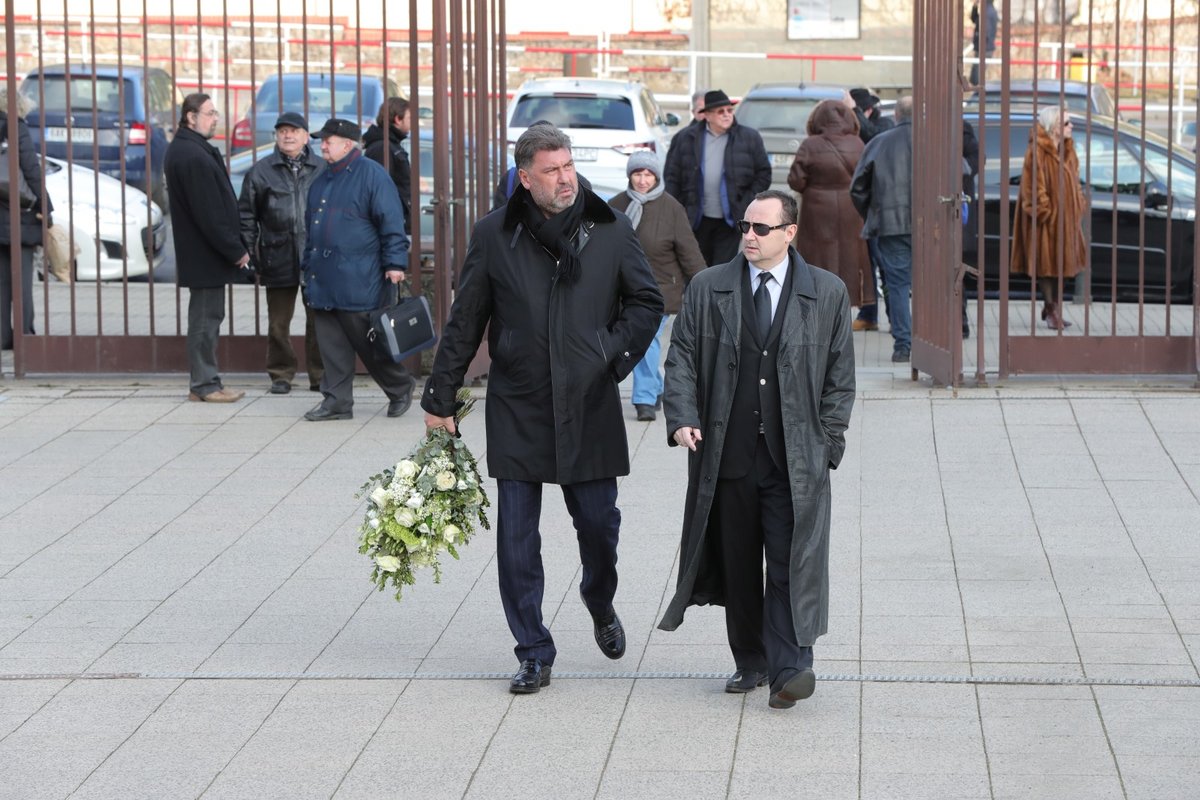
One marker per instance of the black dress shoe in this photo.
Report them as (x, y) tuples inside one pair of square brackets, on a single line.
[(610, 634), (745, 680), (645, 412), (791, 686), (397, 407), (323, 414), (280, 387), (530, 678)]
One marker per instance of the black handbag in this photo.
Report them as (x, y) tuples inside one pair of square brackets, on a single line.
[(403, 328), (25, 196)]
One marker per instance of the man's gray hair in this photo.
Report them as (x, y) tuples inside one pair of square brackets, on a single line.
[(904, 109), (537, 138)]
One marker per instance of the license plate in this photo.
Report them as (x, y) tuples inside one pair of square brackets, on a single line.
[(782, 159), (585, 153), (83, 135)]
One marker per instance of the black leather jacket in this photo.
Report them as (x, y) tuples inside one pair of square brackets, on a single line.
[(882, 186), (272, 213)]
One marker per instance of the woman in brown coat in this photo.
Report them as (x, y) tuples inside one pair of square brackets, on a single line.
[(830, 234), (1047, 232), (663, 230)]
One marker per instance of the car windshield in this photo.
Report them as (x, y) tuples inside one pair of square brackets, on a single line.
[(574, 111), (776, 115), (339, 99), (85, 93)]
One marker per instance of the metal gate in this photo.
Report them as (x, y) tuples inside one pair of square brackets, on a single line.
[(1134, 307), (123, 312)]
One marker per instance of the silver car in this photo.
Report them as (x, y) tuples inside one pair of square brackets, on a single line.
[(779, 112)]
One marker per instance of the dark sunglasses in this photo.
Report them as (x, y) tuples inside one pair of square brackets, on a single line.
[(760, 228)]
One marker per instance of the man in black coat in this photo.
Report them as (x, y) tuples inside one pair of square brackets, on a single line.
[(562, 287), (394, 117), (274, 197), (209, 251), (715, 168)]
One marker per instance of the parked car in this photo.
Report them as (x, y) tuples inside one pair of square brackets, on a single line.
[(606, 120), (120, 117), (342, 96), (1111, 154), (779, 112), (1189, 133), (1076, 95), (117, 233)]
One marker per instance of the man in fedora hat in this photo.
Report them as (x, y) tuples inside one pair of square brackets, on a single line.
[(355, 245), (715, 171), (274, 196)]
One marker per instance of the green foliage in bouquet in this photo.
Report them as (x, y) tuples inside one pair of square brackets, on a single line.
[(427, 504)]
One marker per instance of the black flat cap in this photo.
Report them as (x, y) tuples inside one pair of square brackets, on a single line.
[(292, 119), (339, 127)]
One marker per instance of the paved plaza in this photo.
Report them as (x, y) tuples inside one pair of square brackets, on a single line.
[(1015, 610)]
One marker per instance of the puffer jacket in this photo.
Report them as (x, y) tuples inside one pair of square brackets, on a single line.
[(747, 170), (355, 235), (882, 184), (272, 208)]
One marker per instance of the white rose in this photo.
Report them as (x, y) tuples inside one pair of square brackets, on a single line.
[(407, 469), (388, 563), (461, 485), (451, 532), (415, 501), (379, 496), (375, 524), (406, 517), (445, 481)]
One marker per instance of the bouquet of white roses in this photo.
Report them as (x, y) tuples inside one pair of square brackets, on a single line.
[(426, 504)]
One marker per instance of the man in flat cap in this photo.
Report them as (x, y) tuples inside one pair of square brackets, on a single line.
[(355, 246), (716, 169), (274, 196)]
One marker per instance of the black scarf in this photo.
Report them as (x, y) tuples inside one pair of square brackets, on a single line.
[(554, 233)]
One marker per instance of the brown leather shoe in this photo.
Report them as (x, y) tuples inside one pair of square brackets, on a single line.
[(863, 325), (219, 396)]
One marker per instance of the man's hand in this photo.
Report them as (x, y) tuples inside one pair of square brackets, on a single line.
[(432, 422), (395, 276), (688, 437), (243, 261)]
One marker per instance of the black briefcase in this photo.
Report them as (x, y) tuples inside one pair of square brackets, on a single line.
[(403, 328)]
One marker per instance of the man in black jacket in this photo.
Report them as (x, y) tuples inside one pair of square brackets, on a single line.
[(560, 284), (394, 116), (715, 170), (209, 252), (274, 196)]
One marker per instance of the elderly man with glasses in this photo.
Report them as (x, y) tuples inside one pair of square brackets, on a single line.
[(759, 387), (714, 169)]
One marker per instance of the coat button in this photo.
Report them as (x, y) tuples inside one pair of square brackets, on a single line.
[(764, 352), (731, 365), (762, 381), (718, 423), (626, 354)]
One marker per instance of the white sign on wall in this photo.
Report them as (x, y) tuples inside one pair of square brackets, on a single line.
[(823, 19)]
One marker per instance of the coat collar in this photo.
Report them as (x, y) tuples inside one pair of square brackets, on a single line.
[(727, 283), (595, 210)]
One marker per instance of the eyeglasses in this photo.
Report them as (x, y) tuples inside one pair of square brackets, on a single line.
[(759, 228), (212, 113)]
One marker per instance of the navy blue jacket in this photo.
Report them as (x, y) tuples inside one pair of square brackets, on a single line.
[(355, 227)]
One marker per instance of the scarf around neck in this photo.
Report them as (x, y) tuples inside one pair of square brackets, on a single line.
[(555, 233), (637, 200)]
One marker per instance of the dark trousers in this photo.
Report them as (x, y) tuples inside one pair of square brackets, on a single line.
[(754, 516), (206, 312), (718, 242), (593, 509), (341, 335), (6, 294), (281, 357)]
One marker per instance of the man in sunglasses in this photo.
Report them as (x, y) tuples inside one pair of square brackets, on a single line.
[(714, 168), (759, 387)]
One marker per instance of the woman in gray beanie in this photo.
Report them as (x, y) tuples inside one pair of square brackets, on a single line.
[(663, 230)]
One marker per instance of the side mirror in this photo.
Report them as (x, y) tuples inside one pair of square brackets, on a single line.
[(672, 119)]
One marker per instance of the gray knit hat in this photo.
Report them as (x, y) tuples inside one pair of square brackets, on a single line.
[(644, 159)]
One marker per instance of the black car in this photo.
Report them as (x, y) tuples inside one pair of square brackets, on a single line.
[(1111, 154)]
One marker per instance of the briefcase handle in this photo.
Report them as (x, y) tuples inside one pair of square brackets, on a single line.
[(393, 292)]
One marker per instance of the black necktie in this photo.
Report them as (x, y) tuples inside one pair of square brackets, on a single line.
[(762, 307)]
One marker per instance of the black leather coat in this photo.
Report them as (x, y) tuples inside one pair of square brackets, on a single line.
[(882, 184), (272, 212)]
